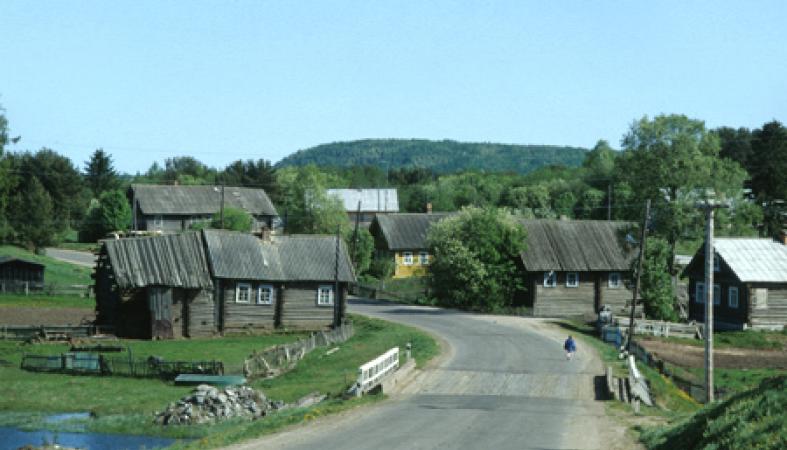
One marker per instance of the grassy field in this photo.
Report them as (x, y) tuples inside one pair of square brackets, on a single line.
[(751, 419), (126, 405), (56, 272), (47, 301), (758, 340)]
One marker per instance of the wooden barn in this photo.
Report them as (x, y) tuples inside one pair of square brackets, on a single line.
[(212, 282), (573, 267), (749, 284), (20, 275), (402, 238), (176, 208)]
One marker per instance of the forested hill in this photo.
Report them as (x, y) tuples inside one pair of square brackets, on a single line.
[(440, 156)]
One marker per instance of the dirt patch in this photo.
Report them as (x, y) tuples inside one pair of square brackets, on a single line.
[(725, 358), (14, 315)]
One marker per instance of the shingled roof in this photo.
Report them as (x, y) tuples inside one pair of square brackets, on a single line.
[(406, 231), (5, 259), (372, 200), (576, 245), (187, 200), (176, 260)]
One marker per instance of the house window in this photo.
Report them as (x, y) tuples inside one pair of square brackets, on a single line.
[(716, 294), (614, 280), (716, 263), (242, 293), (423, 258), (550, 279), (265, 294), (732, 297), (325, 295), (699, 293), (407, 258), (158, 222), (572, 279)]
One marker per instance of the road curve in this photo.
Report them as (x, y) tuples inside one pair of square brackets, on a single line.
[(503, 384), (85, 259)]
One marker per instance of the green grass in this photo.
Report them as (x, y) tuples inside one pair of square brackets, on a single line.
[(751, 339), (751, 419), (733, 381), (125, 405), (47, 301), (56, 272)]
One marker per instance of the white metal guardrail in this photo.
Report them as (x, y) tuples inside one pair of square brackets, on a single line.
[(637, 384), (372, 373)]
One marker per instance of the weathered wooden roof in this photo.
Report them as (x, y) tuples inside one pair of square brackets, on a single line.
[(187, 200), (6, 259), (176, 260), (285, 258), (372, 200), (406, 231), (576, 245), (753, 260)]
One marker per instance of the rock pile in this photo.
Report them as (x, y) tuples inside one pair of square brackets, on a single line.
[(209, 404)]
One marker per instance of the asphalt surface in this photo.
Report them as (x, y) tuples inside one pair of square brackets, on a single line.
[(86, 259), (504, 383)]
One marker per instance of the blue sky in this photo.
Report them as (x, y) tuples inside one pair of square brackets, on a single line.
[(227, 80)]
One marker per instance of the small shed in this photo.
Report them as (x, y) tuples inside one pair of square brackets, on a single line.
[(749, 284), (20, 275), (402, 238), (573, 267)]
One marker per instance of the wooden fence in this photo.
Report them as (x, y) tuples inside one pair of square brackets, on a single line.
[(371, 374), (78, 363), (51, 332)]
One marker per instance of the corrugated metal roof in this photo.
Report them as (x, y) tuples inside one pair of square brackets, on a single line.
[(754, 260), (5, 259), (372, 200), (176, 260), (186, 200), (406, 231), (576, 245)]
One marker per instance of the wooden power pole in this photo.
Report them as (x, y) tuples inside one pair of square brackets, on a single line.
[(337, 298), (643, 238), (221, 207)]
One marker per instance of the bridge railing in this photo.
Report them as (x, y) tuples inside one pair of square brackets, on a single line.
[(372, 373)]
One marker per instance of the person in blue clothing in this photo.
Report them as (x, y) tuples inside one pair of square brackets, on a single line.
[(570, 347)]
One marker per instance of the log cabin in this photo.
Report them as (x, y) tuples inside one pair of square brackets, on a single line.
[(574, 267), (20, 275), (203, 283), (402, 239), (749, 284)]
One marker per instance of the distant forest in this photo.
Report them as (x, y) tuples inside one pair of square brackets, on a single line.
[(438, 156)]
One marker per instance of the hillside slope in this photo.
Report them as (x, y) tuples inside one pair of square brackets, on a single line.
[(440, 156), (749, 420)]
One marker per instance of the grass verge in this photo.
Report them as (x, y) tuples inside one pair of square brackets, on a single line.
[(750, 339), (47, 301), (125, 405), (56, 272)]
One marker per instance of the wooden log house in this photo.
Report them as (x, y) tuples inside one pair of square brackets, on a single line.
[(20, 275), (402, 239)]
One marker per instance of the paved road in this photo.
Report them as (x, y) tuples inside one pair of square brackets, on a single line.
[(86, 259), (504, 384)]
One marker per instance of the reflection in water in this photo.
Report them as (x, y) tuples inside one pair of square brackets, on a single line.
[(12, 439)]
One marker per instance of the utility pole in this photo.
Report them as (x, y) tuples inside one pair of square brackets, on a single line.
[(221, 207), (709, 208), (643, 238), (609, 201), (355, 234), (337, 298)]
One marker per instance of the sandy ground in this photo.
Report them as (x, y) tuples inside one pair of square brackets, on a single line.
[(15, 315), (725, 358)]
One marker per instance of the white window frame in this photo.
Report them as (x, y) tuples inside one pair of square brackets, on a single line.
[(550, 279), (613, 280), (730, 296), (271, 294), (238, 288), (158, 222), (407, 258), (321, 301), (716, 294), (699, 293), (568, 279), (716, 262), (423, 258)]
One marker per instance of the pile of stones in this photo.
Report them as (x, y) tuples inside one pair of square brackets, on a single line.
[(208, 404)]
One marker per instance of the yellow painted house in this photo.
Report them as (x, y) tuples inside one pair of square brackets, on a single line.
[(402, 236)]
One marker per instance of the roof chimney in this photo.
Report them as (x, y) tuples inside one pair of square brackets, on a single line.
[(429, 207)]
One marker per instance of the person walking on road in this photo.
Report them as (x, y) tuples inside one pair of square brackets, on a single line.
[(570, 347)]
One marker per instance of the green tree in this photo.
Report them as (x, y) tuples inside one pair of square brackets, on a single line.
[(475, 255), (235, 219), (673, 160), (100, 176), (768, 169), (111, 212), (656, 282), (8, 180), (257, 174), (735, 144), (31, 213), (599, 164), (532, 201)]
